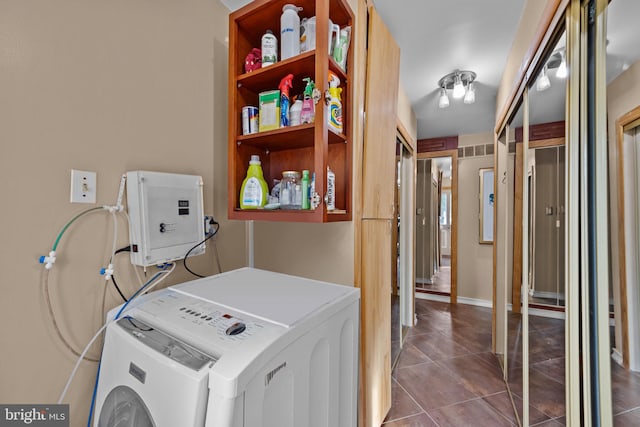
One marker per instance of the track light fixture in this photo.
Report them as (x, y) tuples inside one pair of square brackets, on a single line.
[(461, 85)]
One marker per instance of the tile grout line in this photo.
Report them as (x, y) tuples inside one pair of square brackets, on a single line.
[(416, 402), (627, 411)]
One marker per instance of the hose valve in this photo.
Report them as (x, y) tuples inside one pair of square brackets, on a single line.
[(49, 260), (107, 272)]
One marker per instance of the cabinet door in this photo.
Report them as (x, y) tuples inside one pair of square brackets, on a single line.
[(381, 107)]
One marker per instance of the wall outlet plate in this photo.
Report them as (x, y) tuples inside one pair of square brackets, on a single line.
[(83, 186)]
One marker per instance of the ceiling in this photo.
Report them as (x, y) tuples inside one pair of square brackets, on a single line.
[(437, 37)]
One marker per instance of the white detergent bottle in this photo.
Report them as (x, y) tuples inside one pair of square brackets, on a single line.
[(289, 31)]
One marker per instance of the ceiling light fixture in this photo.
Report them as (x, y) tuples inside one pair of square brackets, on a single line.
[(457, 81), (543, 82), (444, 99)]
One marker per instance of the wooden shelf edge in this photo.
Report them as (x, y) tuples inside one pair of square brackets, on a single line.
[(273, 68), (287, 215), (274, 132)]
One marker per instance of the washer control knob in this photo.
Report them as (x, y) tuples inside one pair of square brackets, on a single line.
[(236, 328)]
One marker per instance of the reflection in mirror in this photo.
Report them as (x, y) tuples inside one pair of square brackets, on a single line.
[(623, 98), (545, 184), (545, 178), (513, 352), (398, 330), (433, 225), (503, 242)]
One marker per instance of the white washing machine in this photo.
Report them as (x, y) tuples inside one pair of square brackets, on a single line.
[(247, 348)]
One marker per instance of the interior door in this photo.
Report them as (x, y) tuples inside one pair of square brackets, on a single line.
[(381, 106), (378, 172)]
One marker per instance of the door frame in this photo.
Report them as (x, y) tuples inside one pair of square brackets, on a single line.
[(622, 125), (406, 237), (454, 214), (516, 294)]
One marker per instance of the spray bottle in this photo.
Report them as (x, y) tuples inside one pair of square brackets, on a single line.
[(335, 104), (308, 106), (285, 84)]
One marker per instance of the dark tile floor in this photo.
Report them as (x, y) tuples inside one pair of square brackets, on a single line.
[(446, 374)]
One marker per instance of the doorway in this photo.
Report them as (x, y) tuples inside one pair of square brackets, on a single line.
[(402, 295), (436, 223)]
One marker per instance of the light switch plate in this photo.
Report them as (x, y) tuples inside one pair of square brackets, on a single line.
[(83, 186)]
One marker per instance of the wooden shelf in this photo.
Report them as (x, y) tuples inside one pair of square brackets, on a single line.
[(268, 78), (314, 146), (281, 139)]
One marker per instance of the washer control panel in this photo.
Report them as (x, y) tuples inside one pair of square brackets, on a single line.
[(207, 325), (228, 326)]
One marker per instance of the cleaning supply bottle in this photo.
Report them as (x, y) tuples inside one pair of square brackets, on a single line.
[(330, 197), (289, 31), (285, 84), (308, 107), (335, 104), (305, 189), (294, 112), (254, 190), (269, 47)]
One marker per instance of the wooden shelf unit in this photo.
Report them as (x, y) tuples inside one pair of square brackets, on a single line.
[(309, 146)]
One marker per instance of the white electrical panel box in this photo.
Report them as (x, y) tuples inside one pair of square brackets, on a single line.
[(166, 216)]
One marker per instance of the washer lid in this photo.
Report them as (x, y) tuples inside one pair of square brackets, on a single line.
[(275, 297)]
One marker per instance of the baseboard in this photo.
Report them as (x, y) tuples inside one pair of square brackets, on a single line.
[(552, 314), (432, 297), (616, 356), (547, 295), (475, 301), (461, 300)]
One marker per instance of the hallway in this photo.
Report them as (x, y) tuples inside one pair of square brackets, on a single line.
[(446, 374)]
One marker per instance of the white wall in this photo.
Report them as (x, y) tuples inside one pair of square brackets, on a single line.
[(475, 261), (107, 86)]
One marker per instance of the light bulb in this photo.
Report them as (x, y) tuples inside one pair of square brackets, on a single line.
[(543, 82), (562, 69), (470, 96), (458, 88), (444, 99)]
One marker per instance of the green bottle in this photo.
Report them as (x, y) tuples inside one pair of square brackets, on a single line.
[(253, 193), (305, 189)]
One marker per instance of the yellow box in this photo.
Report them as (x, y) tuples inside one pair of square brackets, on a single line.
[(269, 115)]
